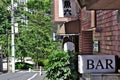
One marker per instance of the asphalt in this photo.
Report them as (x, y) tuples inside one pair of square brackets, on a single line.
[(39, 77)]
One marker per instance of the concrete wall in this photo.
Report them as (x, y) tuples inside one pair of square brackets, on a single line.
[(111, 76)]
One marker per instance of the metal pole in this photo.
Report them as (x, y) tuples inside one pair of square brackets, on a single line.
[(7, 48), (12, 36)]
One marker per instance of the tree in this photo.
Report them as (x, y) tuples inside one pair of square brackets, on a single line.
[(4, 26), (35, 39)]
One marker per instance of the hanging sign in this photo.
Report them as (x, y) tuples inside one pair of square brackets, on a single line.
[(67, 8)]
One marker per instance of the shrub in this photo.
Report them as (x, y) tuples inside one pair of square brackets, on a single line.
[(62, 66), (23, 65), (58, 66)]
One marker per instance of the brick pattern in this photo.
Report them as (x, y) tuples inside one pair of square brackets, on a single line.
[(85, 39), (87, 42), (85, 19), (110, 35)]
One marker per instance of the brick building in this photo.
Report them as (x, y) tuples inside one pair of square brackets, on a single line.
[(109, 36), (88, 26), (94, 30), (100, 25), (66, 20)]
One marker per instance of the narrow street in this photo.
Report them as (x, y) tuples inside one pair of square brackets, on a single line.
[(23, 75)]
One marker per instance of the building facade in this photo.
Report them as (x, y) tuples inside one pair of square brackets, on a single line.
[(97, 30), (109, 36), (102, 26), (66, 19)]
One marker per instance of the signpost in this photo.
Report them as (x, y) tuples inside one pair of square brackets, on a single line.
[(12, 36)]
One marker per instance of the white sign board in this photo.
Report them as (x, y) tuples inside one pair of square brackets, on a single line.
[(67, 8), (96, 63)]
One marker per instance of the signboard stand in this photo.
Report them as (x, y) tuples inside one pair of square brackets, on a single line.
[(86, 76), (98, 67), (101, 76)]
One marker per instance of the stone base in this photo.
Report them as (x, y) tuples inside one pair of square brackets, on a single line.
[(111, 76)]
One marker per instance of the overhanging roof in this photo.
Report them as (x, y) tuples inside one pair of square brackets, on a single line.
[(100, 4), (71, 27)]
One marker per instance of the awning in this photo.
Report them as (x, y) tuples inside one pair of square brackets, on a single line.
[(100, 4), (71, 28)]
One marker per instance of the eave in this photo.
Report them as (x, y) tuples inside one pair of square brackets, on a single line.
[(100, 4)]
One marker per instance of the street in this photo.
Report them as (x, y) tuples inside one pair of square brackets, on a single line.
[(23, 75)]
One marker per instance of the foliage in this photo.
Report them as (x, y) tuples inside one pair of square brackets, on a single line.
[(35, 39), (43, 5), (58, 66), (73, 65), (4, 18), (4, 26), (62, 65), (22, 65), (43, 62)]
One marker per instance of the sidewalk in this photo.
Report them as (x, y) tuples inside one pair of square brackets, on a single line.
[(3, 72), (43, 75)]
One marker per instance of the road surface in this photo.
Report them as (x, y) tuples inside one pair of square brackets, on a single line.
[(23, 75)]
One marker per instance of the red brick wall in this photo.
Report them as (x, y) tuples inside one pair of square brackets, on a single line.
[(110, 35), (86, 38), (86, 45), (85, 19)]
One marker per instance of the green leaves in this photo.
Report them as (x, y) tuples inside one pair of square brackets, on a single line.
[(35, 39), (58, 66), (4, 26), (62, 66), (39, 4), (4, 23)]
